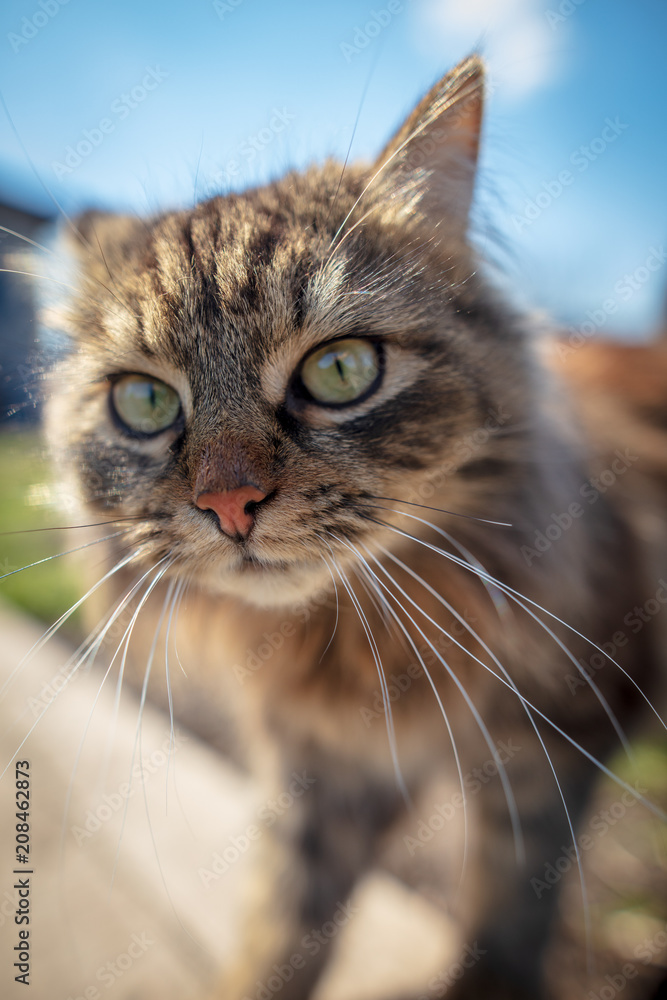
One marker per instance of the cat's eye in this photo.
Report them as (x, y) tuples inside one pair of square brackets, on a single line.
[(145, 405), (342, 371)]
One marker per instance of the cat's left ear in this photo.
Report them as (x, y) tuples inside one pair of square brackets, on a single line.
[(433, 156)]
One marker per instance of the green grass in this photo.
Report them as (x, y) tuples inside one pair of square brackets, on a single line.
[(26, 479)]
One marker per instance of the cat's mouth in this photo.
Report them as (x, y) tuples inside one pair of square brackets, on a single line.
[(266, 582)]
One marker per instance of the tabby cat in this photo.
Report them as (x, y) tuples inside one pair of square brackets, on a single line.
[(305, 408)]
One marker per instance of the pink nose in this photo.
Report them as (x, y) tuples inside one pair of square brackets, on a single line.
[(231, 507)]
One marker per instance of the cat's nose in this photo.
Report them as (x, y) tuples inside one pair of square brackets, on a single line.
[(235, 509)]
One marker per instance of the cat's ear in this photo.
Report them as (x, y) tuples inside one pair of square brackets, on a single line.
[(434, 152), (92, 250), (96, 234)]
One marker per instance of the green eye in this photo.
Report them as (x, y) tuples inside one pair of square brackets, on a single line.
[(341, 372), (144, 404)]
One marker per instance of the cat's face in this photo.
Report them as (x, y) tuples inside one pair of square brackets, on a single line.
[(320, 343)]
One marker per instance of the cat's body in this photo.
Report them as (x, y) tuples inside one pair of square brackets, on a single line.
[(295, 522)]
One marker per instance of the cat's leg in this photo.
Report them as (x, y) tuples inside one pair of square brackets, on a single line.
[(305, 868)]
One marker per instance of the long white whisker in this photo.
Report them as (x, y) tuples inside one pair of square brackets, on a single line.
[(455, 751), (137, 737), (519, 599), (67, 552), (502, 774), (589, 756), (383, 682), (137, 743), (44, 277), (176, 607), (125, 641), (475, 635), (52, 629), (157, 578), (72, 672), (333, 634), (172, 741), (571, 628)]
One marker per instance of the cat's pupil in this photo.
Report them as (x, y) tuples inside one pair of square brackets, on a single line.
[(144, 405), (342, 373)]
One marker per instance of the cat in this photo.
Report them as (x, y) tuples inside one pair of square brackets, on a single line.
[(305, 407)]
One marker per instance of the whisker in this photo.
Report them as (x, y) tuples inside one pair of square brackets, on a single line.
[(453, 513), (119, 609), (183, 584), (375, 601), (333, 580), (475, 635), (127, 635), (26, 239), (39, 644), (594, 760), (442, 710), (67, 552), (497, 598), (68, 527), (354, 132), (151, 655), (50, 632), (571, 628), (383, 681), (44, 277), (519, 600), (137, 742), (170, 701), (502, 774)]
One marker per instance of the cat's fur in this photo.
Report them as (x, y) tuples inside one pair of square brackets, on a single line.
[(222, 302)]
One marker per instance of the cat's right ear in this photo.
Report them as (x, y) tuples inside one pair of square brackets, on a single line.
[(431, 160), (92, 249), (96, 235)]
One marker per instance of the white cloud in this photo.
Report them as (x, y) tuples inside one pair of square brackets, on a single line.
[(520, 46)]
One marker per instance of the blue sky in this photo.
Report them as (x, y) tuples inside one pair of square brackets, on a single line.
[(162, 98)]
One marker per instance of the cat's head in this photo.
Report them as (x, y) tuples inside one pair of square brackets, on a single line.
[(250, 377)]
